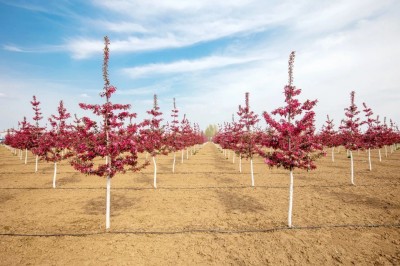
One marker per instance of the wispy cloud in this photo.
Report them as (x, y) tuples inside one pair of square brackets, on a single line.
[(183, 66), (151, 25), (41, 49), (120, 26), (174, 24), (13, 48)]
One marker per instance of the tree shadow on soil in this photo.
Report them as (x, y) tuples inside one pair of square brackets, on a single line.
[(242, 203), (119, 203), (370, 202), (4, 198)]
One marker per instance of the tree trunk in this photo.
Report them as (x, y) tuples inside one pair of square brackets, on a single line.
[(187, 153), (240, 163), (352, 168), (182, 157), (380, 156), (108, 202), (252, 172), (155, 172), (290, 199), (55, 174), (233, 158), (385, 151), (173, 164), (369, 159), (36, 163), (26, 156)]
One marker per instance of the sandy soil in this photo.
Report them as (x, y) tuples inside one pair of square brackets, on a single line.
[(206, 213)]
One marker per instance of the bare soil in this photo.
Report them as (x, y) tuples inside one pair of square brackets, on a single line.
[(205, 213)]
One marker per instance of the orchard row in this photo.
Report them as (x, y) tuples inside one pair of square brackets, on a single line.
[(291, 141), (105, 148)]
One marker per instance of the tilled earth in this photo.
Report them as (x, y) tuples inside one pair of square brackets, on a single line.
[(204, 213)]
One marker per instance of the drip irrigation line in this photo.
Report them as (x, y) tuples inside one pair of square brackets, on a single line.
[(207, 230), (196, 188)]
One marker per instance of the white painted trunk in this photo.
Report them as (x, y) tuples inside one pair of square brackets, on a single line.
[(108, 202), (380, 156), (333, 154), (173, 164), (187, 154), (155, 172), (233, 158), (352, 168), (369, 159), (26, 156), (55, 175), (106, 159), (182, 157), (36, 163), (385, 151), (290, 199), (240, 163), (252, 172)]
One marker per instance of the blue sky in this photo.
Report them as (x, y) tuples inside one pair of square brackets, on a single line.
[(206, 54)]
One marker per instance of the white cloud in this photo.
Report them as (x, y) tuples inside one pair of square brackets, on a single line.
[(207, 63), (121, 27), (175, 24), (12, 48)]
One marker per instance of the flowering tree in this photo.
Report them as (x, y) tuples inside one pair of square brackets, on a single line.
[(53, 143), (112, 141), (370, 138), (294, 137), (36, 130), (248, 138), (23, 140), (328, 136), (188, 137), (386, 135), (350, 131), (227, 137), (154, 136), (174, 136)]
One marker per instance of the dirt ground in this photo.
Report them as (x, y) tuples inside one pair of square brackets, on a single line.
[(205, 214)]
